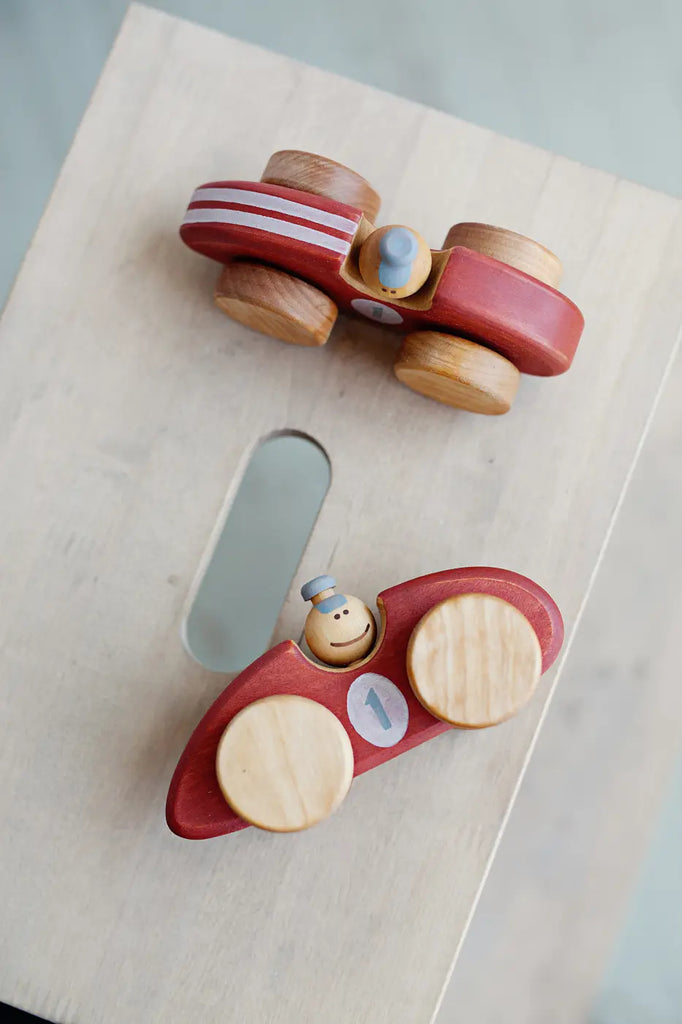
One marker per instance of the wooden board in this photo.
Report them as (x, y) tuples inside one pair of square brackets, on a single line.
[(129, 404)]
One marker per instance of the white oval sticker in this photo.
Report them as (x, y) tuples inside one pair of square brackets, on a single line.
[(376, 311), (377, 709)]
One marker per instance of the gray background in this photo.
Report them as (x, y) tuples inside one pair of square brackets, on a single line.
[(596, 80)]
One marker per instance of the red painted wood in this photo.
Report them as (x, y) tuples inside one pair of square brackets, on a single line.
[(195, 807), (530, 323)]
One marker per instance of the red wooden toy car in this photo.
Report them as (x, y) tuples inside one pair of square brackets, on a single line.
[(301, 243), (463, 647)]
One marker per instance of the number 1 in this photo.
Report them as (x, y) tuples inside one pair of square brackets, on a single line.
[(373, 701)]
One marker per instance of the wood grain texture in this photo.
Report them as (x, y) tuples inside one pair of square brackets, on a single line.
[(457, 372), (284, 763), (129, 404), (322, 177), (510, 247), (275, 303), (474, 661)]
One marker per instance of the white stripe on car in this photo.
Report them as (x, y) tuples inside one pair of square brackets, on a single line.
[(221, 215), (263, 201)]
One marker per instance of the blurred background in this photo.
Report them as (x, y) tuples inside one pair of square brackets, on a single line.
[(581, 919)]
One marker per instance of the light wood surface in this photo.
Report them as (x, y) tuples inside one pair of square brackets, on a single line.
[(370, 260), (457, 372), (275, 303), (509, 247), (323, 177), (284, 763), (129, 406), (474, 661)]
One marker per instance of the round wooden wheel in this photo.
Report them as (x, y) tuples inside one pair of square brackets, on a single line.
[(457, 372), (275, 303), (284, 763), (311, 173), (508, 247), (474, 660)]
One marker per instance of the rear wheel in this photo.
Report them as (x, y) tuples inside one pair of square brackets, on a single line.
[(275, 303), (308, 172), (457, 372), (509, 247), (284, 763), (474, 660)]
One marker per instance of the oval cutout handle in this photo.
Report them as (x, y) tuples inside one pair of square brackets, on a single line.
[(249, 572)]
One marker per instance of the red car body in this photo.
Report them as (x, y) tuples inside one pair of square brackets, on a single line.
[(196, 808), (318, 239)]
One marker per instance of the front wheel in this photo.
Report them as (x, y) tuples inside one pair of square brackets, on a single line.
[(284, 763), (457, 372), (473, 660), (275, 303)]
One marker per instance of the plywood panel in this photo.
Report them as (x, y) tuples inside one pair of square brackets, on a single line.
[(129, 406)]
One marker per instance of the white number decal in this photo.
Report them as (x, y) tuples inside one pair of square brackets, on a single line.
[(377, 709), (376, 311)]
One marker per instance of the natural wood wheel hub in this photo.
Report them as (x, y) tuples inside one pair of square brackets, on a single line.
[(284, 763), (474, 660)]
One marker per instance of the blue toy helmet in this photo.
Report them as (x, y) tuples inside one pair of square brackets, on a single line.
[(398, 249), (315, 586)]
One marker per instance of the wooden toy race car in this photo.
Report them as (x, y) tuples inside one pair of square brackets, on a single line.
[(280, 746), (302, 243)]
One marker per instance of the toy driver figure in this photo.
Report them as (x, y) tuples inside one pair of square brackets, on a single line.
[(340, 628)]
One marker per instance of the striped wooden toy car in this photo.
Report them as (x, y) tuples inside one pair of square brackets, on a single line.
[(301, 244)]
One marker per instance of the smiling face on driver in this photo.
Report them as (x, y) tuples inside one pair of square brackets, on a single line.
[(340, 629)]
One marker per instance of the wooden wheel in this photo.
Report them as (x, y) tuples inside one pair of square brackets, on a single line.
[(508, 247), (457, 372), (284, 763), (275, 303), (311, 173), (474, 660)]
